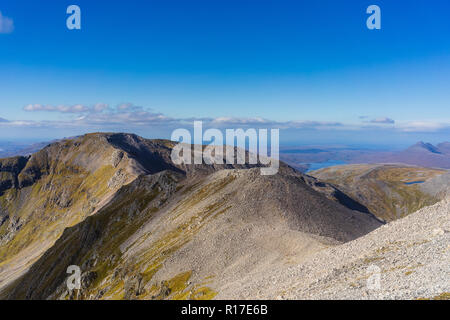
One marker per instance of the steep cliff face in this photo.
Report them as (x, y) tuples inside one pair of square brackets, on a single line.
[(9, 172), (140, 227)]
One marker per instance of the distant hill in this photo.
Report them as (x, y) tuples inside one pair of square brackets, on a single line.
[(423, 147), (13, 149), (420, 154), (389, 191)]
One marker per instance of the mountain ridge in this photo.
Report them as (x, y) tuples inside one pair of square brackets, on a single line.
[(133, 162)]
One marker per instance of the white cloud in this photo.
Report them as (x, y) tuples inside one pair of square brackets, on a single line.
[(6, 24), (383, 120), (125, 106), (81, 109), (139, 118), (100, 107), (131, 117), (240, 121), (78, 108), (424, 126), (261, 122), (314, 124)]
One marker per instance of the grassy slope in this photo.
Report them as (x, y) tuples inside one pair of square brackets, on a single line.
[(383, 188), (73, 179), (95, 244)]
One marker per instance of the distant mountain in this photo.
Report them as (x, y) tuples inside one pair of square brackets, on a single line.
[(423, 147), (420, 154), (13, 149)]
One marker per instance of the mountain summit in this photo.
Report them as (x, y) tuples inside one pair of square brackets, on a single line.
[(424, 147)]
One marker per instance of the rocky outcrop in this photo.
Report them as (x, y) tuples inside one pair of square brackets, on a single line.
[(9, 171)]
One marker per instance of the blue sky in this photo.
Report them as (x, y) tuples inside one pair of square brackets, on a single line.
[(311, 68)]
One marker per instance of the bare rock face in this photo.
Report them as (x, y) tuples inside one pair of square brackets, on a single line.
[(4, 219), (118, 179), (12, 227), (116, 157), (9, 171)]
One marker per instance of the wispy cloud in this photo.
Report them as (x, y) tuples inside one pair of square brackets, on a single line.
[(78, 108), (128, 116), (100, 107), (424, 126), (380, 120), (6, 24), (240, 121), (383, 120), (81, 108), (101, 114), (261, 122)]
